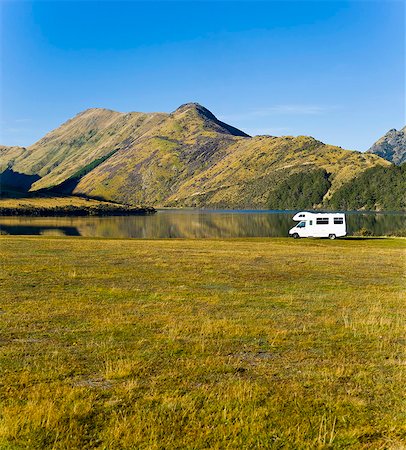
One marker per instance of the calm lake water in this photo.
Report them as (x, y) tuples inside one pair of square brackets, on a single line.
[(190, 224)]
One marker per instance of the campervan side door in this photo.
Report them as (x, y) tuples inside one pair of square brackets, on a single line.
[(321, 226)]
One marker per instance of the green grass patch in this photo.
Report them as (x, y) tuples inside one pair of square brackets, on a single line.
[(247, 343)]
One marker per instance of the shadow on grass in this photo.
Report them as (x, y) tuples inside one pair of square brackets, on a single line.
[(362, 238)]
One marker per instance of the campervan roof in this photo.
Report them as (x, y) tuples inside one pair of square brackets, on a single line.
[(306, 214)]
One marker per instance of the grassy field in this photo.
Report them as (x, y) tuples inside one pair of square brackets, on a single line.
[(254, 343), (49, 201), (49, 205)]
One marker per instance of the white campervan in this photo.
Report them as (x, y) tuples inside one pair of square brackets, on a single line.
[(310, 224)]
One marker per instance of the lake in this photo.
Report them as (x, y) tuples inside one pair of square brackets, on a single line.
[(190, 223)]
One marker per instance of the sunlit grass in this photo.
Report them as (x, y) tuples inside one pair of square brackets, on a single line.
[(255, 343)]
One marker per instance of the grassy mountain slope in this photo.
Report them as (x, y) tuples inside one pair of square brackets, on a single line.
[(90, 135), (185, 162), (158, 163), (8, 156), (186, 158), (253, 168)]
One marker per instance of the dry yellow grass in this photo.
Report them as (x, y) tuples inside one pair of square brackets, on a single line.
[(255, 343), (49, 202)]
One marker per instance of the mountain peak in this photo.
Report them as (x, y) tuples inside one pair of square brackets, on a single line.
[(205, 114), (392, 146), (195, 107)]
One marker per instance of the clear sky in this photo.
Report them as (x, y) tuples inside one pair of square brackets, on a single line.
[(331, 70)]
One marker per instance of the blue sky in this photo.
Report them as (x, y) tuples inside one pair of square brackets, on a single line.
[(332, 70)]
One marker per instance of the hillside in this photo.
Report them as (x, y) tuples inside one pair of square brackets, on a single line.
[(377, 188), (185, 159), (8, 156), (392, 146), (254, 168)]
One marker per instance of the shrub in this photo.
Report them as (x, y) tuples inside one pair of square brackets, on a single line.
[(364, 232)]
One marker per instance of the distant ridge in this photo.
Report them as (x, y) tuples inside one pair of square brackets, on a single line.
[(391, 146), (187, 158)]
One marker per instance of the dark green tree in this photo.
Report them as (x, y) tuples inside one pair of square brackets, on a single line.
[(378, 188), (300, 190)]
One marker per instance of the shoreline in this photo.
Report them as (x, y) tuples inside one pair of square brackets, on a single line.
[(111, 209), (75, 211)]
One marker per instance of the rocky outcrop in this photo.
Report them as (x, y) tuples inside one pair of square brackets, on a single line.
[(392, 146)]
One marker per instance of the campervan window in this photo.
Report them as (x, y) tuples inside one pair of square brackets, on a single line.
[(301, 224), (322, 221), (338, 220)]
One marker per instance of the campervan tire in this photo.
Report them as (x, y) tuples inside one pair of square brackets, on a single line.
[(331, 236), (295, 236)]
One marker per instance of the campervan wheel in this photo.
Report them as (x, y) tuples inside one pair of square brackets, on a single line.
[(331, 236)]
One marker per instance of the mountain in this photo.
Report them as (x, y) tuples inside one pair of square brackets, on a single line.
[(187, 158), (96, 134), (392, 146)]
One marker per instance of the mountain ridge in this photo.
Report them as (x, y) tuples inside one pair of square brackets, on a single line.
[(184, 158)]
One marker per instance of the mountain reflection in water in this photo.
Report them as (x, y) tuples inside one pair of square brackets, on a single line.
[(190, 224)]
